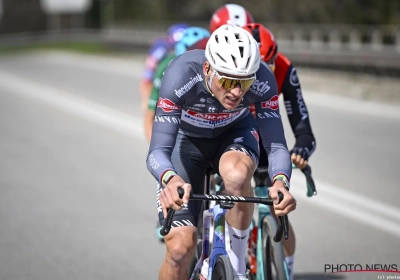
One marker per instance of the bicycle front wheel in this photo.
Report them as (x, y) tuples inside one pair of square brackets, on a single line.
[(195, 258), (222, 269), (275, 267)]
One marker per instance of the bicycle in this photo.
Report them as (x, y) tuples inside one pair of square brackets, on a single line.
[(219, 266), (266, 259)]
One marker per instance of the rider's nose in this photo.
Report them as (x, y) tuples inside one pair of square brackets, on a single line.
[(236, 91)]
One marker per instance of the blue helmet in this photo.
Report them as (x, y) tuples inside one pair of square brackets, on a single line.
[(176, 31), (190, 37)]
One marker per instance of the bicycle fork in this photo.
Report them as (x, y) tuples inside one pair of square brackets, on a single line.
[(218, 214)]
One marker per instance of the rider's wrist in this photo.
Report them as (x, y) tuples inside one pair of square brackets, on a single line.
[(284, 179), (167, 176), (279, 176)]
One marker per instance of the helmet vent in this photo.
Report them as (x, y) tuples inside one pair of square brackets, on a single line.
[(221, 58), (256, 34), (248, 61), (241, 51)]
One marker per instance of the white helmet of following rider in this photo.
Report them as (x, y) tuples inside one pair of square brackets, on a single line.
[(233, 50)]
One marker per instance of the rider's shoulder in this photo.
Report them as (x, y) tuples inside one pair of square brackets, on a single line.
[(265, 72), (264, 87), (282, 63), (191, 59), (192, 56)]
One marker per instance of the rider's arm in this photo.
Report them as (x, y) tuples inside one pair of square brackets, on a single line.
[(166, 121), (297, 111), (271, 129), (148, 123)]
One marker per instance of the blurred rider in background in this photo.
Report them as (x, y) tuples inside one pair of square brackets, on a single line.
[(160, 48), (194, 38)]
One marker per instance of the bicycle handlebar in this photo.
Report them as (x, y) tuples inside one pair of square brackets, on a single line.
[(311, 189), (283, 223)]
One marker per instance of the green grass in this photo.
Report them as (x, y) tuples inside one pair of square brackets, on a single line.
[(81, 47)]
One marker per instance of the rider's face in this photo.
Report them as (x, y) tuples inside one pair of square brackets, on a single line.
[(229, 98)]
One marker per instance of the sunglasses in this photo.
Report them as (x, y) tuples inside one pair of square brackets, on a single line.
[(230, 83)]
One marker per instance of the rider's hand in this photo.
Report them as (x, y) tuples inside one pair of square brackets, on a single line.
[(169, 196), (305, 144), (288, 203)]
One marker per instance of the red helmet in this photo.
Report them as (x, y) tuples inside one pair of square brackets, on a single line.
[(230, 14), (265, 39)]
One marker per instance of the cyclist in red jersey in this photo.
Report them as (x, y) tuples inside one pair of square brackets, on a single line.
[(288, 84)]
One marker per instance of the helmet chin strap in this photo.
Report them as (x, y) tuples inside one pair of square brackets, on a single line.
[(209, 81)]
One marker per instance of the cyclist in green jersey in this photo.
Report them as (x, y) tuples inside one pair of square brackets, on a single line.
[(190, 38)]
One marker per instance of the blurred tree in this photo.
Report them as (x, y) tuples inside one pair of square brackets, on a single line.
[(93, 16), (274, 11), (22, 16)]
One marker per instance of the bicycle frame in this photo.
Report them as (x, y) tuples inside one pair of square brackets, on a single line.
[(263, 212), (261, 191), (219, 240), (217, 213)]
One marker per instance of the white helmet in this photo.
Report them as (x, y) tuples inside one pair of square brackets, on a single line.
[(233, 50)]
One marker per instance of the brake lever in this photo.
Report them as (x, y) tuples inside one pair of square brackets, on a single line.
[(168, 221), (283, 225)]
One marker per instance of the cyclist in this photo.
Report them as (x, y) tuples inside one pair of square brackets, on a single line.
[(202, 116), (289, 85), (296, 109), (286, 76), (191, 36), (160, 48)]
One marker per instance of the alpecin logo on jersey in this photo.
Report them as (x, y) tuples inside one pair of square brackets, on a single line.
[(260, 88), (167, 105), (189, 85), (272, 104)]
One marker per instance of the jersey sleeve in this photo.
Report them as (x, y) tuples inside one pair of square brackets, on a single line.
[(295, 105), (167, 118), (270, 125)]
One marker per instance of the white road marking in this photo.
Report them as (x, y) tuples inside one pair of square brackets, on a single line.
[(350, 205), (133, 68), (86, 109), (354, 106)]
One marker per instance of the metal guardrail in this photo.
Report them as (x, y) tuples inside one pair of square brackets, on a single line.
[(361, 48)]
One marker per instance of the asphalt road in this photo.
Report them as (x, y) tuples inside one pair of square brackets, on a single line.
[(77, 202)]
